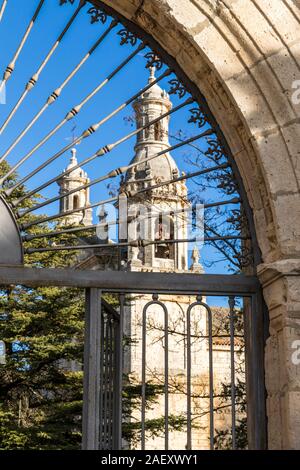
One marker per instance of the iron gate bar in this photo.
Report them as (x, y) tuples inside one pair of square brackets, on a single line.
[(103, 151), (57, 92), (34, 79), (117, 423), (29, 237), (135, 243), (91, 387), (155, 301), (256, 393), (231, 304), (129, 282), (200, 303), (112, 174), (2, 10), (11, 66), (70, 115), (85, 134), (106, 387), (101, 391)]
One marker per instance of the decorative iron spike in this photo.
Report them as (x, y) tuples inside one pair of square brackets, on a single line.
[(197, 117), (97, 15), (127, 37), (153, 60), (177, 88)]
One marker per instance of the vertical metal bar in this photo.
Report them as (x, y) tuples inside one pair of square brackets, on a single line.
[(143, 411), (118, 378), (256, 393), (106, 385), (231, 303), (188, 378), (101, 392), (211, 379), (166, 379), (110, 386), (90, 425)]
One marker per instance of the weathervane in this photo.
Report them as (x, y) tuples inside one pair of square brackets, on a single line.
[(73, 137)]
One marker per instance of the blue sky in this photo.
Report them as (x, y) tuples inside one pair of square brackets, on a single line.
[(74, 46)]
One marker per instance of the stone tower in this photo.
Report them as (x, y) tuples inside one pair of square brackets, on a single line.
[(159, 208), (80, 199), (163, 208)]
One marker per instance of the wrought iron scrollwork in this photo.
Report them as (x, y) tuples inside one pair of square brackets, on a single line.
[(177, 88), (127, 37), (63, 2), (215, 150), (97, 15), (153, 60), (245, 257), (197, 117)]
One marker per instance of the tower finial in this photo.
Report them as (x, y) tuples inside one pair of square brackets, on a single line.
[(152, 77), (73, 160)]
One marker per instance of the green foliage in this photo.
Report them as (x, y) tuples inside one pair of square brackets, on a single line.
[(40, 394)]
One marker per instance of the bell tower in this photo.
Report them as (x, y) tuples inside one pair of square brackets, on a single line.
[(162, 211), (78, 200)]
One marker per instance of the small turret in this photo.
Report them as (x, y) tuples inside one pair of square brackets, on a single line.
[(78, 200)]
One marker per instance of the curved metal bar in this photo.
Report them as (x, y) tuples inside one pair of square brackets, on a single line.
[(135, 243), (113, 199), (34, 79), (87, 133), (103, 151), (155, 301), (56, 94), (112, 174), (199, 303), (11, 67), (2, 10), (116, 222)]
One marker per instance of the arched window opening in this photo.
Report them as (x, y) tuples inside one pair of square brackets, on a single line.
[(158, 131), (164, 231), (76, 201)]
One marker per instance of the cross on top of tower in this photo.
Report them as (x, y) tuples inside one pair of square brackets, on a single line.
[(73, 160)]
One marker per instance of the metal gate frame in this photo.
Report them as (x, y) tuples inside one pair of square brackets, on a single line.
[(154, 283)]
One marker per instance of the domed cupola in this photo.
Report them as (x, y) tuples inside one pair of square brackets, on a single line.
[(150, 105)]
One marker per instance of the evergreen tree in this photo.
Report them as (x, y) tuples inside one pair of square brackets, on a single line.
[(40, 394), (41, 384)]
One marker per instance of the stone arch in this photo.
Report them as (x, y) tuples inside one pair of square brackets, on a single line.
[(245, 58)]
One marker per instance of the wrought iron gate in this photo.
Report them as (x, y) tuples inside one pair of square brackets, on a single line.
[(104, 363)]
